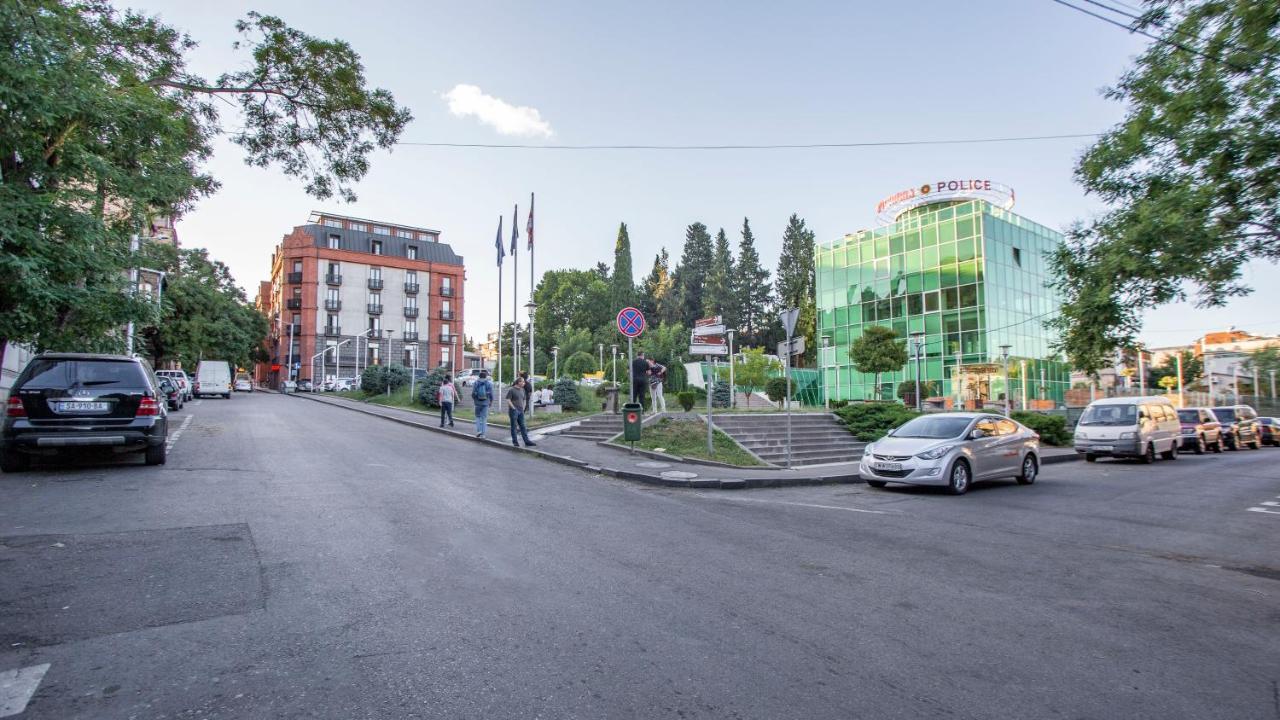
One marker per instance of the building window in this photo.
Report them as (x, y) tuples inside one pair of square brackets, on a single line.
[(333, 223), (373, 358), (408, 357), (375, 273), (359, 227), (427, 237), (1017, 257), (297, 266), (412, 252), (331, 321), (297, 319), (380, 230), (444, 307), (335, 269), (375, 325), (411, 327), (375, 298), (375, 247), (404, 234), (411, 301), (411, 277), (331, 295), (444, 355), (444, 330), (334, 239)]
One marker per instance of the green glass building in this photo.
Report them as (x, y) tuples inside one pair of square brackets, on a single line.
[(968, 276)]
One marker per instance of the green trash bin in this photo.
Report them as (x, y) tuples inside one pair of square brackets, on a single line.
[(632, 417)]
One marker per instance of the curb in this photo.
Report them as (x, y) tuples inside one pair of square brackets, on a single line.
[(700, 483), (1056, 459)]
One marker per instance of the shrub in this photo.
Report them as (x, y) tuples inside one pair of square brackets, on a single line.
[(603, 389), (676, 377), (928, 388), (870, 421), (1052, 428), (837, 404), (720, 395), (687, 399), (776, 389), (428, 391), (375, 378), (565, 393), (578, 364)]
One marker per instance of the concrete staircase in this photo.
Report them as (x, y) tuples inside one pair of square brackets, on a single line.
[(596, 427), (816, 438)]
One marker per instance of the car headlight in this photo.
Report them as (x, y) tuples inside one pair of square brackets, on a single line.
[(866, 450), (936, 453), (1127, 436)]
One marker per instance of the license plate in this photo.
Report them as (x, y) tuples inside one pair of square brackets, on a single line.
[(1103, 448), (81, 406), (886, 466)]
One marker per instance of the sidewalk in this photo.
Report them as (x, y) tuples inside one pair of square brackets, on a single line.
[(609, 461)]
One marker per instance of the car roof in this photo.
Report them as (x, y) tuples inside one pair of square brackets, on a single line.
[(85, 356), (1132, 400)]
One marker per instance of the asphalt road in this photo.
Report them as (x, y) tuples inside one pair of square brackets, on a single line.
[(298, 560)]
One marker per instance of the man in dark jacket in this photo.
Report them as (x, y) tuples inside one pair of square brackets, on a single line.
[(639, 378)]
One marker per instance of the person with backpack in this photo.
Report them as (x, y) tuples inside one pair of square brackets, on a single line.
[(447, 395), (482, 396), (515, 412)]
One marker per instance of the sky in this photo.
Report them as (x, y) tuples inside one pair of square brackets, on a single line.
[(670, 73)]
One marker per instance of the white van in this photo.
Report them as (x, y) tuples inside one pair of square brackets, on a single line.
[(1136, 427), (213, 377)]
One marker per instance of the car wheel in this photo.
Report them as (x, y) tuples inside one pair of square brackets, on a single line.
[(877, 483), (1149, 456), (959, 484), (1200, 445), (1089, 457), (1231, 443), (1030, 468), (155, 454), (1255, 445), (1217, 446), (11, 461), (1172, 452)]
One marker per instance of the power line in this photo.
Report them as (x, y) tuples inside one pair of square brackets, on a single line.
[(1165, 41), (796, 146)]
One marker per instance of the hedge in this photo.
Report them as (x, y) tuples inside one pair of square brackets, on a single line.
[(1052, 428), (871, 421)]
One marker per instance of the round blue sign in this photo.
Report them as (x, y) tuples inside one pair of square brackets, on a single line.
[(630, 322)]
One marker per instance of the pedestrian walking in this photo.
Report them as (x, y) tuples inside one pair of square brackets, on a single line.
[(447, 395), (482, 396), (657, 380), (515, 412), (639, 378)]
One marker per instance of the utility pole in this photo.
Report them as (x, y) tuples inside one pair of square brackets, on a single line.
[(1004, 366), (1142, 374), (1182, 400), (917, 341), (733, 388)]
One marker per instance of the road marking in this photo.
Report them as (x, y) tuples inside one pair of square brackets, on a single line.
[(1271, 503), (168, 445), (800, 504), (1264, 510), (17, 687)]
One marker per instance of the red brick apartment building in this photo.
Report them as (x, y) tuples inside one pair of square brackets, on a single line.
[(351, 292)]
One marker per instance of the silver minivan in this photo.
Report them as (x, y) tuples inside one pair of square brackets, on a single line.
[(1137, 427)]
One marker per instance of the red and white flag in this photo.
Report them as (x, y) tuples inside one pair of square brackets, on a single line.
[(528, 231)]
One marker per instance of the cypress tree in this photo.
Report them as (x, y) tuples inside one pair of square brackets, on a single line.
[(752, 289), (719, 297), (622, 290), (795, 282), (657, 300), (691, 275)]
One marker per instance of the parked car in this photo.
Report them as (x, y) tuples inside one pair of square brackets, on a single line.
[(213, 377), (1137, 427), (1239, 426), (243, 383), (304, 385), (1200, 430), (344, 384), (184, 382), (170, 391), (465, 377), (64, 401), (952, 450), (1269, 431)]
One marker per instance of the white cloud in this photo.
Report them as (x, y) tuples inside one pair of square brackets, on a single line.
[(497, 113)]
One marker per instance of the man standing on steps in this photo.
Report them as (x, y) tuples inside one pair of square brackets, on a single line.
[(639, 378), (515, 412)]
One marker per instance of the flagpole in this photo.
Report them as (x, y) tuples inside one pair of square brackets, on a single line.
[(498, 380), (515, 295)]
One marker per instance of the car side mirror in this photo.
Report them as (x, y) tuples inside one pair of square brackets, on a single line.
[(977, 434)]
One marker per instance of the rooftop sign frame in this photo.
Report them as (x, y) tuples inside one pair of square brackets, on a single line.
[(890, 208)]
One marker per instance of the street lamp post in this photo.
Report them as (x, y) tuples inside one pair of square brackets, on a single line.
[(826, 343), (389, 333), (337, 359), (1142, 374), (956, 381), (733, 388), (1004, 366), (1022, 375), (413, 371), (601, 349), (1273, 384), (614, 363), (288, 370), (555, 363), (917, 342)]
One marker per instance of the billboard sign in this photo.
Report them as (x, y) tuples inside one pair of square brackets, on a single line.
[(998, 194)]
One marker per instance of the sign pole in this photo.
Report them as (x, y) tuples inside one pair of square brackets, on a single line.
[(630, 369), (733, 388), (788, 399), (709, 384)]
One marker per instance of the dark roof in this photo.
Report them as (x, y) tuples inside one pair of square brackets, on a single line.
[(84, 356), (392, 246)]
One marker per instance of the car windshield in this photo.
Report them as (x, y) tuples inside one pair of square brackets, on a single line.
[(1110, 415), (1225, 415), (935, 427), (1189, 416)]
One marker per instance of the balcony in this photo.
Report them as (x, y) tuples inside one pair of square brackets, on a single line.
[(375, 309), (333, 279), (448, 339), (294, 278), (293, 303), (448, 315), (332, 304), (411, 312), (332, 330), (446, 291), (375, 283), (411, 288), (411, 337)]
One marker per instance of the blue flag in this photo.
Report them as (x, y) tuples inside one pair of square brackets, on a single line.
[(498, 243)]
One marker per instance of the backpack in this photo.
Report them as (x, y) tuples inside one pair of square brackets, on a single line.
[(480, 391)]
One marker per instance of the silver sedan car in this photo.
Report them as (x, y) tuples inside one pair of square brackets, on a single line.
[(952, 450)]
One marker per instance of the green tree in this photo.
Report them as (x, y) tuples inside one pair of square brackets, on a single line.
[(691, 275), (102, 125), (796, 281), (751, 289), (572, 299), (751, 370), (1192, 368), (429, 390), (578, 364), (878, 350), (1263, 362), (720, 297), (658, 300), (572, 341), (665, 343), (1189, 176), (622, 285)]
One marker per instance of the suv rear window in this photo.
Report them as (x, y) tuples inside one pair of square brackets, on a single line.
[(1189, 416), (53, 374), (1225, 415)]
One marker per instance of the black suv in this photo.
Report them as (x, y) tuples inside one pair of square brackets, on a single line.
[(75, 400)]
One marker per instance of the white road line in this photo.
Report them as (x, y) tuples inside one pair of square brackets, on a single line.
[(17, 687), (1271, 503), (178, 433), (1264, 510), (800, 504)]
